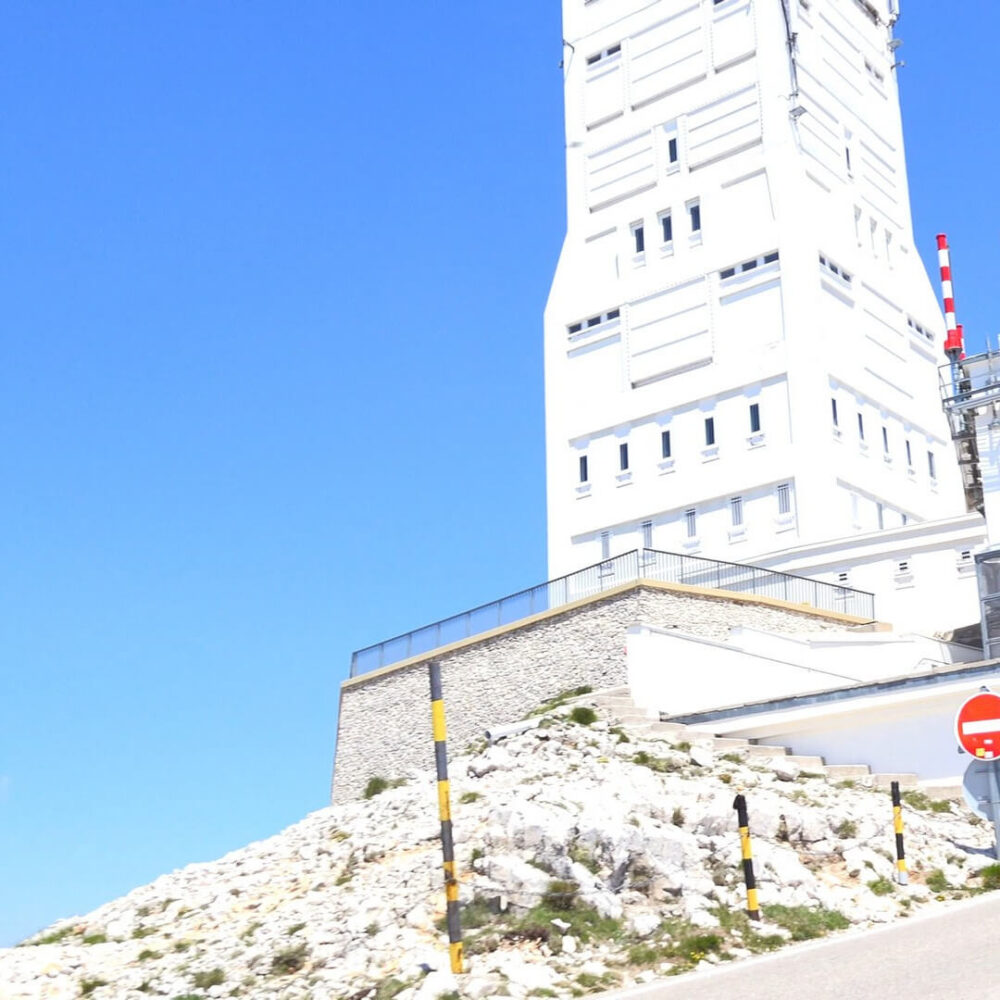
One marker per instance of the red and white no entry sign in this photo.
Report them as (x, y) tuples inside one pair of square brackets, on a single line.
[(977, 726)]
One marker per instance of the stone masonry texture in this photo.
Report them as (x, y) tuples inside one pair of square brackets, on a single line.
[(384, 727)]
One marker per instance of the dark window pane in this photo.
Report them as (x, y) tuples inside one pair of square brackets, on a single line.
[(754, 418), (668, 228), (672, 150), (583, 469), (623, 456), (665, 444), (709, 431)]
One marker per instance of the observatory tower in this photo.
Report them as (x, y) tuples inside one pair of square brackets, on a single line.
[(741, 342)]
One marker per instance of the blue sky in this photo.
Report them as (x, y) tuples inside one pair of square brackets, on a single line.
[(271, 284)]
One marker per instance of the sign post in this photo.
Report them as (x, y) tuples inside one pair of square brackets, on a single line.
[(977, 729)]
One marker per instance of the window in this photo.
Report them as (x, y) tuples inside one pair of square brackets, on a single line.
[(835, 269), (885, 440), (749, 265), (931, 470), (784, 499), (647, 534), (665, 444), (880, 514), (673, 150), (584, 476), (709, 431), (909, 455), (694, 212), (842, 578), (861, 427), (639, 237), (667, 226), (605, 544), (605, 54), (592, 321), (691, 523), (736, 511), (903, 566), (754, 418), (836, 421), (623, 457)]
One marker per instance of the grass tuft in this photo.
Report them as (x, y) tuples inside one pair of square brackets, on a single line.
[(805, 923)]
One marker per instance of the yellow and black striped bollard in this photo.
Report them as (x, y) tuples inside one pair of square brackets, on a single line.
[(743, 819), (902, 875), (444, 808)]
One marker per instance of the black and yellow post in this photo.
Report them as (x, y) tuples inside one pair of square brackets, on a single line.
[(444, 808), (902, 875), (743, 819)]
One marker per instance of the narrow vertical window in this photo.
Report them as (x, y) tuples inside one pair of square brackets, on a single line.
[(605, 544), (754, 418), (647, 534), (885, 440), (667, 225), (836, 419), (584, 475), (931, 469), (784, 499), (861, 427), (691, 523), (673, 151), (909, 455), (665, 444), (736, 511), (623, 457), (639, 237), (694, 211), (709, 431), (880, 514)]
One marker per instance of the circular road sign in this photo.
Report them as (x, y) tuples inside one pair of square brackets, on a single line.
[(977, 726)]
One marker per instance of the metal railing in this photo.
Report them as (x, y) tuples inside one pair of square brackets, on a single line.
[(639, 564)]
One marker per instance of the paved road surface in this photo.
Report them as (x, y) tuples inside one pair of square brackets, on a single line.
[(952, 954)]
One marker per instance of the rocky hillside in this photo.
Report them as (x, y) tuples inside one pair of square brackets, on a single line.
[(588, 859)]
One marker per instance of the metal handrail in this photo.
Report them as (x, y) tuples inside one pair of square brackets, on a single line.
[(652, 564)]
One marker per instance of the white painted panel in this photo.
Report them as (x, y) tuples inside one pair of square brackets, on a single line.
[(669, 331), (749, 319), (620, 170), (723, 127), (734, 36), (745, 208), (668, 55), (597, 368), (604, 91)]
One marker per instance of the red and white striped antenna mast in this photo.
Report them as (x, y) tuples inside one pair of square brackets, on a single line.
[(953, 347)]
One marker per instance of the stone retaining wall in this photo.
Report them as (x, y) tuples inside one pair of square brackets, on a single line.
[(384, 723)]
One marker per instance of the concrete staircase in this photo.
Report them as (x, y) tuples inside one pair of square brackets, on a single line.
[(619, 709)]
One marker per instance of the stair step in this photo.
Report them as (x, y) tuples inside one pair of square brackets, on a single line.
[(808, 762), (942, 790), (729, 743), (757, 750), (845, 772), (661, 729), (906, 781)]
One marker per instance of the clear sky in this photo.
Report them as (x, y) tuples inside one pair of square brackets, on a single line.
[(271, 285)]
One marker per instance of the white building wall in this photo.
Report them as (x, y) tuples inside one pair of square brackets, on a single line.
[(801, 286)]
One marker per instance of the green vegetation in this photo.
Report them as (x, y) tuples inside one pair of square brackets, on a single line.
[(921, 802), (378, 785), (294, 929), (582, 854), (372, 929), (247, 934), (390, 987), (338, 835), (87, 986), (582, 715), (990, 876), (56, 936), (936, 881), (560, 895), (805, 923), (141, 931), (147, 954), (733, 758), (846, 829), (620, 733), (477, 853), (96, 939), (684, 746), (182, 945), (677, 816), (659, 764), (289, 961), (214, 977), (468, 797), (881, 886), (560, 699)]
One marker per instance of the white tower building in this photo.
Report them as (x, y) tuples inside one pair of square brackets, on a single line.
[(741, 342)]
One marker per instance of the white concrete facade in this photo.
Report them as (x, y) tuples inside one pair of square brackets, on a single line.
[(765, 378)]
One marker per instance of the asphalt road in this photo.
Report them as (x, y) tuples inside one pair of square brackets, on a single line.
[(951, 954)]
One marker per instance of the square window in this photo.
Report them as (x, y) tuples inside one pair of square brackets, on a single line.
[(754, 418), (694, 212), (665, 444), (709, 431), (784, 499), (691, 523), (623, 457)]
